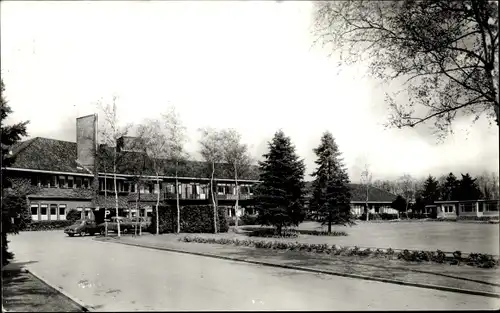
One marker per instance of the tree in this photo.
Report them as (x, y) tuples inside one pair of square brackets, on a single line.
[(430, 192), (110, 133), (331, 192), (11, 134), (468, 189), (449, 190), (176, 138), (407, 187), (399, 204), (445, 51), (366, 180), (488, 184), (212, 150), (237, 156), (153, 135), (279, 196)]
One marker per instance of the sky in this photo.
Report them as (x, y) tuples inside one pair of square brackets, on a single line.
[(251, 66)]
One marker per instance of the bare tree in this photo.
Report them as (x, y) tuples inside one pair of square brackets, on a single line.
[(407, 186), (444, 52), (237, 156), (176, 138), (212, 150), (366, 179), (488, 183), (153, 134), (110, 133)]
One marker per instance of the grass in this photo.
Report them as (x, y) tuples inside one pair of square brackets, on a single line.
[(24, 292)]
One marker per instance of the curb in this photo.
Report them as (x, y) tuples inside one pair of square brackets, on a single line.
[(84, 307), (319, 271)]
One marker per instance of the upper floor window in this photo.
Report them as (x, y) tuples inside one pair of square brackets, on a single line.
[(86, 183), (53, 181), (62, 182), (70, 181), (78, 182)]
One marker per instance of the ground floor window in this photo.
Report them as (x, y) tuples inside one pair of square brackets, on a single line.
[(467, 207), (491, 207), (448, 208)]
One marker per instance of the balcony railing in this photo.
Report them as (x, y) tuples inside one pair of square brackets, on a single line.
[(171, 195), (233, 197)]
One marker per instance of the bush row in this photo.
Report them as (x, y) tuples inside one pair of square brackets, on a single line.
[(378, 216), (477, 218), (474, 259), (47, 225), (193, 219), (290, 233)]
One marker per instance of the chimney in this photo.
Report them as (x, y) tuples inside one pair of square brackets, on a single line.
[(86, 140)]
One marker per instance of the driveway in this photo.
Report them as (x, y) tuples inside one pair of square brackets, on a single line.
[(113, 277)]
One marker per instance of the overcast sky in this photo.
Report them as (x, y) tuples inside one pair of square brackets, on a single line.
[(244, 65)]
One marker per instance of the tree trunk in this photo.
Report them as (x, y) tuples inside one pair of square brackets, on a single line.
[(237, 196), (157, 204), (105, 204), (213, 197), (140, 224), (137, 210), (116, 199), (330, 222), (177, 203)]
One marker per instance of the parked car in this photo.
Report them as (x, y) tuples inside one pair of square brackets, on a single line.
[(126, 225), (82, 227), (143, 221)]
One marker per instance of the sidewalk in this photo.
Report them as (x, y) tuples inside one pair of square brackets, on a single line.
[(442, 275)]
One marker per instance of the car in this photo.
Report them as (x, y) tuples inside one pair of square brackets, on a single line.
[(125, 225), (143, 221), (82, 227)]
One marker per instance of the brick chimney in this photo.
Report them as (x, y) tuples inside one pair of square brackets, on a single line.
[(86, 141)]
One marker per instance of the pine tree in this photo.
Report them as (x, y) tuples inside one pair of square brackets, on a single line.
[(430, 192), (449, 188), (279, 196), (331, 193), (10, 135), (468, 189)]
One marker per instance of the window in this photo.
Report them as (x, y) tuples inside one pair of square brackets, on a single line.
[(34, 180), (34, 210), (467, 207), (491, 207), (53, 209), (78, 182), (62, 209), (53, 181), (62, 182), (220, 190), (132, 188), (448, 208), (70, 181), (85, 183), (44, 180), (43, 209), (126, 186)]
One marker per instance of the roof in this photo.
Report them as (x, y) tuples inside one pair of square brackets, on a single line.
[(358, 193), (46, 154), (60, 156)]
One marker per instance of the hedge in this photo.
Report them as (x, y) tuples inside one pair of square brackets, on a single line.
[(48, 225), (193, 219), (271, 232), (474, 259), (477, 218)]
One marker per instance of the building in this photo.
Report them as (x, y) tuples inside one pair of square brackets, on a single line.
[(379, 201), (65, 174), (467, 208)]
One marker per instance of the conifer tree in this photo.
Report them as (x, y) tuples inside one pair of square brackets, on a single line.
[(430, 192), (331, 192), (449, 188), (279, 196)]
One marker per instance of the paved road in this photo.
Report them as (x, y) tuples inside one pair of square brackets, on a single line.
[(113, 277)]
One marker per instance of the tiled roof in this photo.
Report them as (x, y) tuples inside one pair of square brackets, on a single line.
[(46, 154), (57, 155), (62, 193), (358, 193), (109, 201)]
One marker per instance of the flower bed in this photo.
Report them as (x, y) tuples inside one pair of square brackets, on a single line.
[(473, 259), (288, 233)]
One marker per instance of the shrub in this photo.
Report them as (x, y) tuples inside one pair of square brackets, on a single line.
[(388, 216), (193, 219), (321, 233), (48, 225), (271, 232), (73, 215), (248, 219)]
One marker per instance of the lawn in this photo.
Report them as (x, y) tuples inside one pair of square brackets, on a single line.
[(24, 292), (446, 236)]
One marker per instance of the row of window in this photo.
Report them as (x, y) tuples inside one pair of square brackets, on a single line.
[(48, 212), (471, 207), (68, 181)]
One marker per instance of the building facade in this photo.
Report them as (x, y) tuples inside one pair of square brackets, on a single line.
[(467, 208)]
